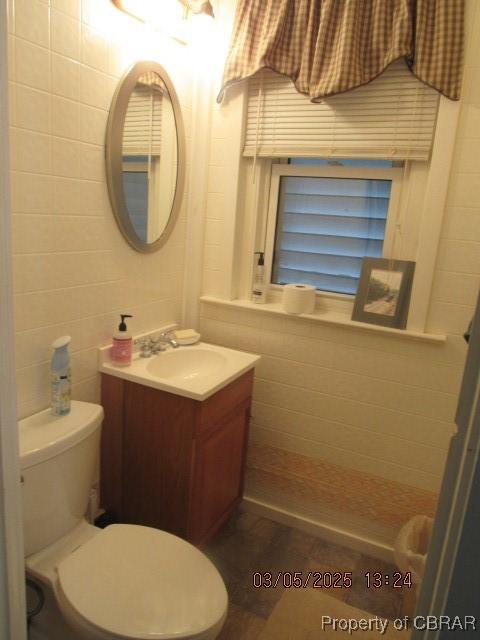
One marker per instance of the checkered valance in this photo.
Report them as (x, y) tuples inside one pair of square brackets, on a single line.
[(331, 46)]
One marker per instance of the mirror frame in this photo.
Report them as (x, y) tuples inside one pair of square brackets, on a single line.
[(113, 154)]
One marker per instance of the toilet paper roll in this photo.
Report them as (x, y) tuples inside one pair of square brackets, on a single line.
[(298, 298)]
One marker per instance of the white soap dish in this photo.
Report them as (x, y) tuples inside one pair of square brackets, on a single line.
[(185, 337)]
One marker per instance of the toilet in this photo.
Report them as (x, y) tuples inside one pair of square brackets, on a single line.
[(125, 581)]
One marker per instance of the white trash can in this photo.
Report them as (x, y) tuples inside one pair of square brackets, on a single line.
[(410, 550), (411, 546)]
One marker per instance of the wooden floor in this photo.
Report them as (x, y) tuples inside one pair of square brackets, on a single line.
[(250, 544)]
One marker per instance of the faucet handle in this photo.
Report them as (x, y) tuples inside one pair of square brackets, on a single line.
[(145, 351), (158, 346), (145, 347), (167, 335)]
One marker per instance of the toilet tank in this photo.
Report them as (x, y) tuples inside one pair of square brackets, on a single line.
[(58, 460)]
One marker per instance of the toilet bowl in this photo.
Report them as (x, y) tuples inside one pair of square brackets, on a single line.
[(125, 581)]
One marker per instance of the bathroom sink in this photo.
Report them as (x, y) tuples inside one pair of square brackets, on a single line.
[(186, 364), (197, 371)]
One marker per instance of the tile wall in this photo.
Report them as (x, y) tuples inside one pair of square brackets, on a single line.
[(373, 406), (73, 271)]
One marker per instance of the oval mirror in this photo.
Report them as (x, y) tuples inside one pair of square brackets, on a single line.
[(145, 155)]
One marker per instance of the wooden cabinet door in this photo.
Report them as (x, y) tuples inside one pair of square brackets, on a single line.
[(157, 458), (219, 467)]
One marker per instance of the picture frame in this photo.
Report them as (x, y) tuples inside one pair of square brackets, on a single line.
[(383, 293)]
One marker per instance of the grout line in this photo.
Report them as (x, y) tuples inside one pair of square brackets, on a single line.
[(325, 482), (367, 404), (345, 371), (53, 176), (330, 342), (70, 288), (459, 273), (66, 251), (350, 373), (78, 60), (348, 424), (54, 137)]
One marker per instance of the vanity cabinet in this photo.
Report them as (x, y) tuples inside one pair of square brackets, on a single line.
[(172, 462)]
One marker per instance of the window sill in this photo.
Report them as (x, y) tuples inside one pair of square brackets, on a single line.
[(328, 317)]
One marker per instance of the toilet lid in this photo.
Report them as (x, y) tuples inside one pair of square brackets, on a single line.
[(139, 582)]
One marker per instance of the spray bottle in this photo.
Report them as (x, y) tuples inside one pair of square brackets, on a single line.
[(61, 386)]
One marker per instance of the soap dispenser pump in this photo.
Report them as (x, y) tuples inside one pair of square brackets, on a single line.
[(259, 293), (122, 346)]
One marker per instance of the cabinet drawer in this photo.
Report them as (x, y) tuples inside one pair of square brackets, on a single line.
[(217, 407)]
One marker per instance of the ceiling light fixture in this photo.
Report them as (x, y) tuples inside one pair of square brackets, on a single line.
[(143, 9), (199, 6)]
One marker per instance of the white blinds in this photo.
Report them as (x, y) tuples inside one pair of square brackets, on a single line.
[(325, 227), (143, 122), (391, 117)]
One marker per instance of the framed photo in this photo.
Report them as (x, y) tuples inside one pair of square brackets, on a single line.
[(383, 293)]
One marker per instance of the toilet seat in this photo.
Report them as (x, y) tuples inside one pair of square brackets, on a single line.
[(137, 582)]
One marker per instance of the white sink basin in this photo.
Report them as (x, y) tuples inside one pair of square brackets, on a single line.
[(186, 364), (196, 371)]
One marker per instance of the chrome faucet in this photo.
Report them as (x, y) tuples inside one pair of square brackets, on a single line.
[(167, 338), (155, 344)]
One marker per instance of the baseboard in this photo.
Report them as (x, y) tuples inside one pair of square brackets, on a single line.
[(335, 535)]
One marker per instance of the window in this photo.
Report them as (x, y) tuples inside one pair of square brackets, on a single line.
[(334, 196), (326, 216), (416, 201)]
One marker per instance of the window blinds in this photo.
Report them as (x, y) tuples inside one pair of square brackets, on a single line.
[(325, 227), (391, 117), (143, 122)]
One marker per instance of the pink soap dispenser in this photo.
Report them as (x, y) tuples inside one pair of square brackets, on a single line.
[(122, 346)]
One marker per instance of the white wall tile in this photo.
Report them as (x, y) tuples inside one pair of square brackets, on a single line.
[(95, 50), (31, 151), (93, 124), (31, 193), (464, 190), (456, 288), (92, 161), (461, 256), (65, 34), (46, 233), (70, 7), (462, 223), (32, 109), (32, 21), (32, 65), (11, 57), (66, 157), (96, 88), (469, 125), (65, 77), (73, 271), (65, 118)]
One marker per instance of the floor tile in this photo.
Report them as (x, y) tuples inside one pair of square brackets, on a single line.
[(249, 544), (241, 625), (295, 540), (384, 601), (318, 582), (334, 556), (268, 529)]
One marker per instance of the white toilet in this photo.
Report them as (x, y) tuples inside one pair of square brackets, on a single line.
[(125, 581)]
